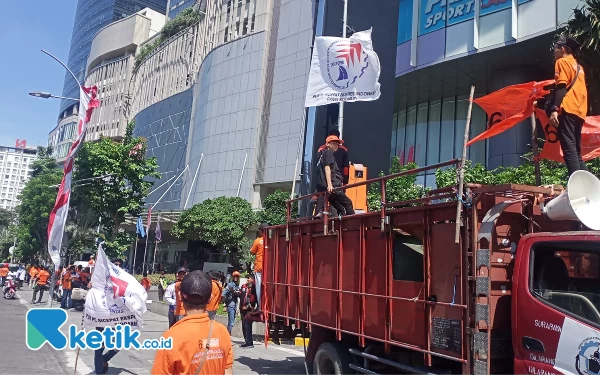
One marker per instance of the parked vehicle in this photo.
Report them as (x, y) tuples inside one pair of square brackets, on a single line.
[(78, 298), (391, 291), (9, 290)]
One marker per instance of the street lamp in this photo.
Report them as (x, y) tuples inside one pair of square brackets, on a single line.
[(46, 95)]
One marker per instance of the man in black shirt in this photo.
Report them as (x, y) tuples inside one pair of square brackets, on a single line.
[(330, 177)]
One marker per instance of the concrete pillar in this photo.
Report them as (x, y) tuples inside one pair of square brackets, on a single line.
[(506, 149)]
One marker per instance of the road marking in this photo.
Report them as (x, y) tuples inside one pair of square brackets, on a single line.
[(288, 350), (21, 300), (82, 368)]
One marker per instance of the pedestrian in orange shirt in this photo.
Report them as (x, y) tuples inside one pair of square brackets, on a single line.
[(258, 249), (179, 312), (145, 281), (67, 288), (33, 271), (215, 295), (206, 351), (41, 284), (3, 273)]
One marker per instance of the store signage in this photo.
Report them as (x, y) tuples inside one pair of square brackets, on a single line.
[(436, 14)]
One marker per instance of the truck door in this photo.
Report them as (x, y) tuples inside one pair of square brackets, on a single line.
[(556, 307)]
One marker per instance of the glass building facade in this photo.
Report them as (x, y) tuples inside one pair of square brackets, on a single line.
[(90, 17), (178, 6)]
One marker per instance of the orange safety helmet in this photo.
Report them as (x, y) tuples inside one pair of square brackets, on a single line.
[(235, 273)]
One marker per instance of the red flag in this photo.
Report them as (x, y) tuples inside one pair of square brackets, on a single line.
[(590, 139), (509, 106)]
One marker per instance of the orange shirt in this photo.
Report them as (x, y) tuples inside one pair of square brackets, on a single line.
[(3, 272), (66, 280), (146, 283), (186, 355), (43, 277), (258, 248), (179, 309), (215, 296), (33, 271), (575, 101)]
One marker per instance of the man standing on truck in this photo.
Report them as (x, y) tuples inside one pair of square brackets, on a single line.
[(330, 177), (258, 249), (570, 102), (341, 157)]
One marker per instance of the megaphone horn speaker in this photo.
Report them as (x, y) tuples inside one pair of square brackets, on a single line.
[(581, 201)]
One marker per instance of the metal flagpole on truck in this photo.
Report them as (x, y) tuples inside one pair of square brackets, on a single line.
[(341, 111)]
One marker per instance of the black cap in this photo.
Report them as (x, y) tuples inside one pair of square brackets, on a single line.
[(117, 260), (181, 269), (568, 42), (196, 288), (262, 226), (214, 274)]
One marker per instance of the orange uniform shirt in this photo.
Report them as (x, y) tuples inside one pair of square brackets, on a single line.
[(3, 271), (576, 100), (179, 309), (66, 280), (146, 283), (43, 277), (187, 353), (258, 249), (215, 296), (33, 271)]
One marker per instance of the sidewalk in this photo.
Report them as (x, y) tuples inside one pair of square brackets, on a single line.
[(131, 361)]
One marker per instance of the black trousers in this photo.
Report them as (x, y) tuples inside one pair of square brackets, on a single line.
[(339, 202), (569, 136), (39, 288)]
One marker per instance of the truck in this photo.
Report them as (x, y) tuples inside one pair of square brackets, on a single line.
[(408, 289)]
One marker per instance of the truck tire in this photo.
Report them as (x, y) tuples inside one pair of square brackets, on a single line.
[(332, 358)]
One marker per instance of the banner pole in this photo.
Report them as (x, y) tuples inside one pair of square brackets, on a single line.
[(534, 148), (134, 254), (146, 248), (461, 171), (341, 110)]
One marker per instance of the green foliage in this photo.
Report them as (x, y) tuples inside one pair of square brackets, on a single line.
[(37, 200), (584, 26), (274, 210), (185, 19), (6, 218), (397, 189), (170, 277), (131, 175), (222, 222)]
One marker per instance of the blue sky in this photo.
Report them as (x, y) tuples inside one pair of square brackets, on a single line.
[(24, 31)]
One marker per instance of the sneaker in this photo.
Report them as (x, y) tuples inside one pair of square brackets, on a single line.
[(246, 345), (33, 302)]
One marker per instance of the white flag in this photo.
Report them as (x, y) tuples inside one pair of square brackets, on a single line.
[(343, 69), (115, 298)]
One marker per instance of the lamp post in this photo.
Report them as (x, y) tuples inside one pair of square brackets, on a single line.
[(47, 95)]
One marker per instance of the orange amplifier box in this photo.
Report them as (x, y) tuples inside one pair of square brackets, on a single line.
[(358, 195)]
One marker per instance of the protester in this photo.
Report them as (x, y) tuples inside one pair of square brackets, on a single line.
[(206, 351), (21, 275), (145, 281), (248, 306), (570, 102), (179, 312), (230, 295), (341, 157), (41, 280), (258, 249), (330, 177), (76, 277), (215, 296), (3, 274), (86, 277), (91, 262), (67, 288), (162, 285), (33, 271)]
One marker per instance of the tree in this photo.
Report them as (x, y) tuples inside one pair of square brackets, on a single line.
[(584, 26), (6, 218), (274, 210), (397, 189), (222, 222), (37, 200), (129, 175)]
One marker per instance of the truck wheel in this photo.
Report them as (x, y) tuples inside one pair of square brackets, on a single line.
[(332, 358)]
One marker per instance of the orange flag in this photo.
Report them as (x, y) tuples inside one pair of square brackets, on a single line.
[(509, 106), (590, 138)]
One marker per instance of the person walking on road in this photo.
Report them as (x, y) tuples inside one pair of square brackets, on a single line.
[(258, 249), (248, 307), (3, 274), (230, 296), (215, 296), (67, 288), (208, 350), (162, 286), (41, 284)]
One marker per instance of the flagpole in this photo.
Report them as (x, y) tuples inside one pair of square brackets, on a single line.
[(146, 246), (341, 111), (134, 254), (461, 172), (156, 241), (154, 258)]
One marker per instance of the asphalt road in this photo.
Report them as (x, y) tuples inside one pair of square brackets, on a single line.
[(16, 358)]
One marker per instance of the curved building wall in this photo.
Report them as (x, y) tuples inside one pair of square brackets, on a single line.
[(90, 17), (225, 119), (165, 125)]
